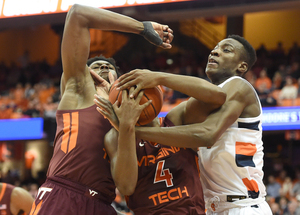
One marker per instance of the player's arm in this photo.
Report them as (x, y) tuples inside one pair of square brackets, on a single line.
[(76, 38), (195, 87), (21, 200), (123, 160), (121, 147), (239, 95)]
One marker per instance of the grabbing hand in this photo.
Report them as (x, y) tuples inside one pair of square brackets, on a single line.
[(102, 86), (107, 110), (130, 109), (141, 78), (157, 34)]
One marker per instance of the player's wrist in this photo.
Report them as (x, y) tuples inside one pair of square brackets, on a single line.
[(150, 34)]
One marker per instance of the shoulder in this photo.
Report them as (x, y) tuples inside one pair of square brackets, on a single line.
[(238, 87)]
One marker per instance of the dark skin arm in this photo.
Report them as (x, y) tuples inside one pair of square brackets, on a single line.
[(77, 82), (197, 88), (121, 146), (240, 102)]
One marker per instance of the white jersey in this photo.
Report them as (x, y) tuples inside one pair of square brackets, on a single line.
[(232, 167)]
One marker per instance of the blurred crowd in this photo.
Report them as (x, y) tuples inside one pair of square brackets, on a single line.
[(31, 89)]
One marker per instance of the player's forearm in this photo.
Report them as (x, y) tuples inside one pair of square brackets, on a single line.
[(188, 136), (126, 167), (92, 17), (194, 87)]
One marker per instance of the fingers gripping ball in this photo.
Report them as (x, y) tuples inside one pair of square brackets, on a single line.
[(150, 112)]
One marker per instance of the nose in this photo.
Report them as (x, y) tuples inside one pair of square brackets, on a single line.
[(214, 52), (103, 66)]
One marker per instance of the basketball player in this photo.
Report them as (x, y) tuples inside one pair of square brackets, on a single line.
[(229, 140), (14, 200), (79, 179), (158, 179)]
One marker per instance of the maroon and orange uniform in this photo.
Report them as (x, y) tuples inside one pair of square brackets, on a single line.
[(168, 180), (79, 180), (5, 194)]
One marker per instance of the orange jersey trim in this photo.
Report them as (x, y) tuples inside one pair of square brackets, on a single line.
[(250, 184), (2, 191), (70, 130), (248, 149)]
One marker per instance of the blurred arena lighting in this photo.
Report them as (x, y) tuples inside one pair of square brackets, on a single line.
[(169, 61), (11, 8)]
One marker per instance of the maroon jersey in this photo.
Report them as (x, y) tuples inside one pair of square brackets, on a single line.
[(168, 180), (79, 154), (5, 194)]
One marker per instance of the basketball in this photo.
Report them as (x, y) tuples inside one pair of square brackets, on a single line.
[(150, 112)]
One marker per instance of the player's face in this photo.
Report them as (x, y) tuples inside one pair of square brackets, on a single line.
[(103, 68), (224, 59)]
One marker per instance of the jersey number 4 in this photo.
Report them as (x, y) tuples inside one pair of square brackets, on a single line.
[(163, 175)]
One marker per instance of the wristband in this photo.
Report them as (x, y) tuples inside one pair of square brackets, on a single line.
[(149, 34)]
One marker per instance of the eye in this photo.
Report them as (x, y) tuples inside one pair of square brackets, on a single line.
[(226, 50)]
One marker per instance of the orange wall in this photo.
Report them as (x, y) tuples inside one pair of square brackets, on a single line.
[(271, 27), (41, 42)]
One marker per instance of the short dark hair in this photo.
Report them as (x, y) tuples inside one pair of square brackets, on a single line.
[(109, 60), (250, 51)]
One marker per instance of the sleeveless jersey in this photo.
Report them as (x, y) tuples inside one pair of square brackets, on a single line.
[(79, 154), (168, 180), (5, 194), (233, 165)]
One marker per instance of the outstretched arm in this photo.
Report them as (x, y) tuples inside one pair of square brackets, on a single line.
[(76, 43), (195, 87), (239, 96)]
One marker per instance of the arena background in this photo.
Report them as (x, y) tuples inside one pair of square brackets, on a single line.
[(30, 32)]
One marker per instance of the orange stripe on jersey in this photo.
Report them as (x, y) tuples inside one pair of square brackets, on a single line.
[(32, 208), (197, 163), (247, 149), (74, 131), (38, 207), (66, 135), (2, 191), (250, 184)]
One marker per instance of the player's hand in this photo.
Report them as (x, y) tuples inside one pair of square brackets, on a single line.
[(130, 109), (102, 86), (141, 78), (157, 34), (107, 110)]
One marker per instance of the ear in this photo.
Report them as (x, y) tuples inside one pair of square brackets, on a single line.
[(243, 67)]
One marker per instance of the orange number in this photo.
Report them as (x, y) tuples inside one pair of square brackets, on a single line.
[(163, 174)]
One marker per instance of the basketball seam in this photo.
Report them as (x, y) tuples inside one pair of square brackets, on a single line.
[(151, 104)]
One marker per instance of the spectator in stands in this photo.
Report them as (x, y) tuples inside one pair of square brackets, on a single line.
[(283, 205), (293, 208), (286, 188), (289, 91), (294, 71), (277, 81), (264, 80), (294, 53), (273, 188), (275, 208)]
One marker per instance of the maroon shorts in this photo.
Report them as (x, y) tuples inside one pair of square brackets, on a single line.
[(58, 196)]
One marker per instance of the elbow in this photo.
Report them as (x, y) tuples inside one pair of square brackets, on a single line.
[(76, 13)]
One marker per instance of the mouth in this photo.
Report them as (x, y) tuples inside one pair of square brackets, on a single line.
[(212, 61)]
